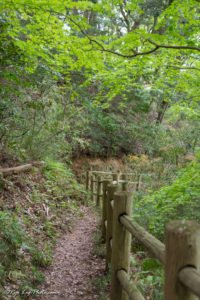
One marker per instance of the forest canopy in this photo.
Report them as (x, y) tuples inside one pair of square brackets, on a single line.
[(110, 59)]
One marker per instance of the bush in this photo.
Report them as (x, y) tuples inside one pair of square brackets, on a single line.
[(179, 200), (11, 240)]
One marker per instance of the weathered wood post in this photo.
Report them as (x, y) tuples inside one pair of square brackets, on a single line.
[(98, 190), (115, 176), (121, 243), (87, 180), (92, 187), (87, 185), (104, 209), (182, 250), (124, 184), (111, 189)]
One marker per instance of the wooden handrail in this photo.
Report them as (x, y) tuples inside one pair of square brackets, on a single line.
[(146, 239), (190, 277), (180, 255), (110, 173), (129, 286), (101, 172)]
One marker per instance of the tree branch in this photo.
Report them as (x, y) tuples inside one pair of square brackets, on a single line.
[(19, 169), (183, 68), (103, 49), (125, 18), (137, 53), (108, 50), (174, 47)]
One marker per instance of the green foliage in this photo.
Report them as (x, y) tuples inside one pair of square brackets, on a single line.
[(15, 246), (61, 183), (54, 75), (40, 258), (40, 211), (178, 200), (150, 277), (12, 238)]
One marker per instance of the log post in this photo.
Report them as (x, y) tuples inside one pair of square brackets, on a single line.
[(87, 180), (124, 184), (87, 185), (90, 176), (98, 190), (182, 250), (118, 175), (115, 176), (92, 188), (121, 243), (111, 189), (104, 209)]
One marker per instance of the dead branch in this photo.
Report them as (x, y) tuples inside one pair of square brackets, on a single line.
[(19, 169)]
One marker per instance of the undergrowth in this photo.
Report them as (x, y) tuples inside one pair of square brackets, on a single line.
[(153, 208), (35, 209), (101, 284)]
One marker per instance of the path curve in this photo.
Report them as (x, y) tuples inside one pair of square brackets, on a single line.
[(75, 264)]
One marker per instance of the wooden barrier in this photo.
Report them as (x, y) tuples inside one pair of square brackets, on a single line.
[(104, 210), (121, 244), (99, 182), (182, 250), (153, 245), (180, 256), (111, 189), (92, 187), (129, 286)]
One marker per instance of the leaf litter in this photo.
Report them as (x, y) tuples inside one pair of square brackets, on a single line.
[(75, 265)]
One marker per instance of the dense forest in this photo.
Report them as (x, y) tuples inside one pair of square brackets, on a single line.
[(95, 79)]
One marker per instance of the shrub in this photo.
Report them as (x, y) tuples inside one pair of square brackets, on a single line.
[(179, 200)]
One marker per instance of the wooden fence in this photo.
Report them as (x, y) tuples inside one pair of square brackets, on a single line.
[(180, 256)]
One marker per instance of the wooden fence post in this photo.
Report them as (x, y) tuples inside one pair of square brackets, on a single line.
[(124, 184), (87, 180), (104, 208), (87, 183), (182, 250), (92, 187), (121, 243), (111, 189), (115, 176), (98, 190)]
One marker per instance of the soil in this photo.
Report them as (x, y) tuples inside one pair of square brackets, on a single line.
[(76, 266), (80, 164)]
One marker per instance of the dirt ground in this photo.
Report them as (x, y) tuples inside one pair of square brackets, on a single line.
[(75, 266), (80, 164)]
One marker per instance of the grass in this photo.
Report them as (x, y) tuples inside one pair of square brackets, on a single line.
[(101, 284)]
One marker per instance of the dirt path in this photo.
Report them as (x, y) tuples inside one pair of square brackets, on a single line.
[(75, 264)]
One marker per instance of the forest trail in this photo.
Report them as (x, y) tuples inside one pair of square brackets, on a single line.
[(75, 265)]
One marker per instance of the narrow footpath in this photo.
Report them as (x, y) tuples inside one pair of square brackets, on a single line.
[(75, 266)]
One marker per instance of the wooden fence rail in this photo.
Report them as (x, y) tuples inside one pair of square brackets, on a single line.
[(180, 255)]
